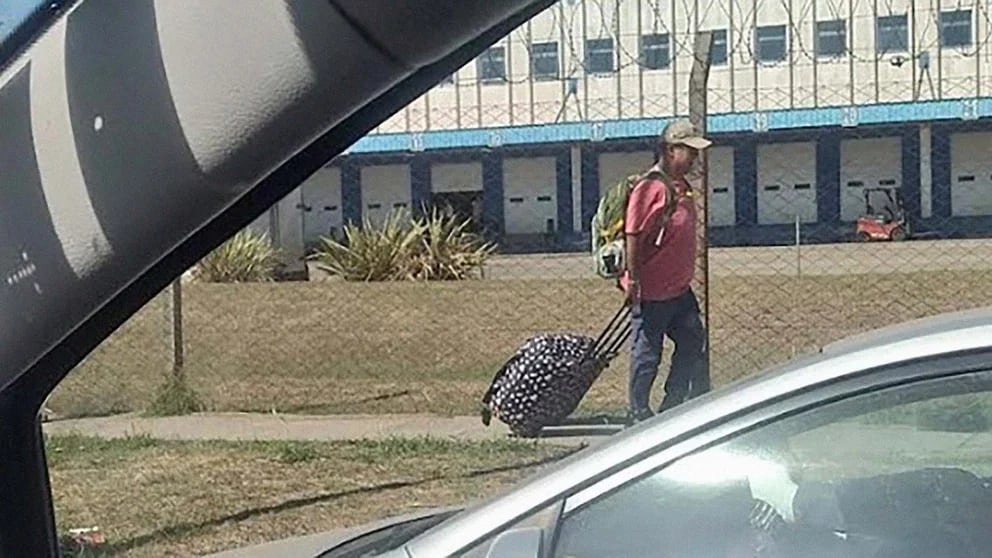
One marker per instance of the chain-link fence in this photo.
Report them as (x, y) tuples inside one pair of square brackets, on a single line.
[(850, 187)]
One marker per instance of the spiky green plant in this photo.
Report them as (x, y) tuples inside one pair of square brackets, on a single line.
[(449, 252), (248, 256), (433, 247), (373, 253)]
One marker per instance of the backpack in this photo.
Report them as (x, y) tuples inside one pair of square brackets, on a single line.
[(608, 239)]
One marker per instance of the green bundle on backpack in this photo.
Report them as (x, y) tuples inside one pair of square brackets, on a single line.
[(607, 230)]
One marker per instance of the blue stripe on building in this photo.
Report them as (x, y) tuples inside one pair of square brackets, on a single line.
[(736, 123)]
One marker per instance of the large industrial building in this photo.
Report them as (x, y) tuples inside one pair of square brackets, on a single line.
[(810, 102)]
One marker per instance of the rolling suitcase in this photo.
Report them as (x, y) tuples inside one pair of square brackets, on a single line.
[(546, 378)]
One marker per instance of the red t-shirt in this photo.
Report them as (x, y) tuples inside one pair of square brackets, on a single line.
[(666, 270)]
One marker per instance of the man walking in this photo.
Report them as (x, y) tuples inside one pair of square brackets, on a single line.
[(660, 256)]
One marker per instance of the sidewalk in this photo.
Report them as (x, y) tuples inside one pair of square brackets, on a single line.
[(259, 426)]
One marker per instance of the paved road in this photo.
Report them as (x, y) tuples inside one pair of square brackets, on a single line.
[(821, 259)]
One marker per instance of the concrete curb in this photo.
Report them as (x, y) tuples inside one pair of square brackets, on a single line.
[(318, 428)]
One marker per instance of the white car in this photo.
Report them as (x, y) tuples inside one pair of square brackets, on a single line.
[(879, 446)]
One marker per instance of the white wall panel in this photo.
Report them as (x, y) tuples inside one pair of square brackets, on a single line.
[(385, 188), (322, 204), (529, 195), (971, 173), (786, 183)]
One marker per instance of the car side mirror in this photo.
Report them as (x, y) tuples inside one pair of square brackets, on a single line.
[(518, 543)]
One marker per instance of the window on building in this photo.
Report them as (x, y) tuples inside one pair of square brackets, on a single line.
[(656, 51), (599, 56), (491, 64), (544, 60), (892, 34), (772, 45), (719, 52), (831, 38), (955, 28)]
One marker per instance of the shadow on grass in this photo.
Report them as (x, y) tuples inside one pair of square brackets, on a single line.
[(325, 409), (186, 529)]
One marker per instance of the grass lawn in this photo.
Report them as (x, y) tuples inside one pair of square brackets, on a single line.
[(156, 499), (334, 347)]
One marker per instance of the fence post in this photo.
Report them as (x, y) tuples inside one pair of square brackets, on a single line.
[(799, 255), (797, 288), (698, 78), (174, 317)]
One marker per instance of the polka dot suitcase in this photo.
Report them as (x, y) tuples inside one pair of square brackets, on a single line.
[(547, 377)]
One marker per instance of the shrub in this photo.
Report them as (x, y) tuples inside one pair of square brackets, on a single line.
[(246, 257), (434, 247), (371, 253), (448, 251), (175, 397)]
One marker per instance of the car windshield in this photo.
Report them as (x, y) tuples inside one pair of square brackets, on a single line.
[(593, 219)]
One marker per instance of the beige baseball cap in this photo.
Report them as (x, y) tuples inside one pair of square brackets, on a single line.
[(682, 132)]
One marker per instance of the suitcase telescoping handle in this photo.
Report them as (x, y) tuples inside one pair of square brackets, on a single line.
[(613, 336)]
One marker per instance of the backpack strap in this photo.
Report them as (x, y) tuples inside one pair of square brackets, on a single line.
[(671, 196)]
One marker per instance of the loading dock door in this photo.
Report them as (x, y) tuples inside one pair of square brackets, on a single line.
[(530, 200), (786, 183), (385, 188), (971, 174), (322, 212), (720, 204), (867, 163), (458, 186)]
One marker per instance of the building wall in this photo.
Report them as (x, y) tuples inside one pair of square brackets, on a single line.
[(866, 71), (758, 184)]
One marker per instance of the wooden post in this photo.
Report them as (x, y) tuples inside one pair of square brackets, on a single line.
[(698, 78), (174, 316)]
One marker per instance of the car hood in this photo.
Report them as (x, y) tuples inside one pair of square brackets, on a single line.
[(319, 545)]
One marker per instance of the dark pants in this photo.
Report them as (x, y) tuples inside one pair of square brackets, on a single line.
[(688, 377)]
